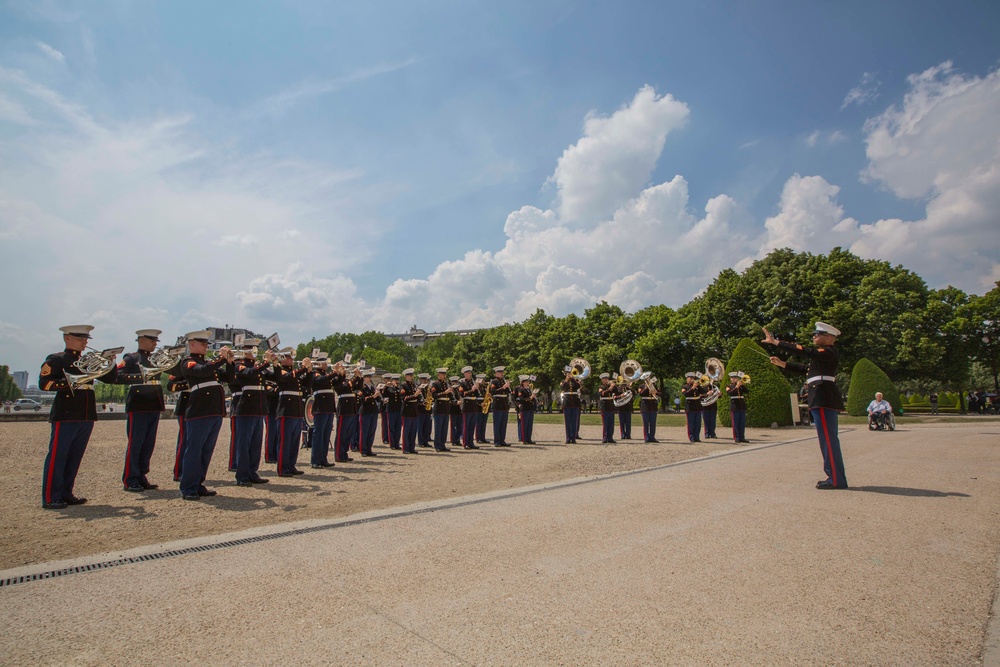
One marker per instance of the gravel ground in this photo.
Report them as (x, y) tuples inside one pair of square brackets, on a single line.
[(114, 519), (732, 560)]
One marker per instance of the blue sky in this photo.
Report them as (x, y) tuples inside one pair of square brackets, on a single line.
[(319, 166)]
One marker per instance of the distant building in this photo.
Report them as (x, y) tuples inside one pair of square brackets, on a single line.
[(224, 336), (417, 337), (20, 379)]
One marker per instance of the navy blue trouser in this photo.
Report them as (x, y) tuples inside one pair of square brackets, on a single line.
[(457, 420), (289, 437), (179, 454), (67, 443), (410, 427), (648, 426), (826, 421), (441, 430), (708, 416), (395, 428), (571, 417), (625, 424), (249, 434), (200, 434), (232, 445), (367, 423), (141, 428), (525, 423), (271, 453), (694, 425), (347, 430), (469, 422), (424, 429), (481, 418), (500, 418), (385, 427), (322, 429), (607, 426), (739, 425)]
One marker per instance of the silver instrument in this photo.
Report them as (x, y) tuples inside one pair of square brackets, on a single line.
[(578, 368), (92, 365), (161, 360), (628, 372), (714, 370)]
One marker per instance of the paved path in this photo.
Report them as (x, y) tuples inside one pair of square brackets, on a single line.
[(732, 560)]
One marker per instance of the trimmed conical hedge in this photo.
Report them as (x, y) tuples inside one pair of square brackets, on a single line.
[(866, 379), (767, 400)]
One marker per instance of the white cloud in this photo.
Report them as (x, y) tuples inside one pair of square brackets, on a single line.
[(51, 52), (812, 139), (865, 92)]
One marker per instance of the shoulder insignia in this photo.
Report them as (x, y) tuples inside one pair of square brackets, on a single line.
[(798, 347), (192, 364), (121, 364), (46, 370), (821, 349)]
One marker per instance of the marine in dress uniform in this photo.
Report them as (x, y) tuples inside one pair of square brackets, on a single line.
[(424, 415), (411, 395), (468, 388), (624, 416), (607, 392), (441, 391), (393, 410), (571, 405), (347, 410), (235, 392), (205, 409), (72, 416), (324, 412), (500, 390), (455, 410), (143, 406), (525, 404), (368, 419), (737, 392), (249, 411), (481, 417), (648, 408), (824, 399), (692, 392), (709, 416), (292, 384), (177, 384)]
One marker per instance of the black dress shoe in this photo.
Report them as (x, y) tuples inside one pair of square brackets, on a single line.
[(244, 483), (473, 447), (191, 496), (347, 459), (259, 480), (265, 461), (825, 484), (744, 441), (148, 486), (354, 449), (135, 488), (397, 448), (285, 474), (442, 449), (573, 441), (57, 505), (73, 500), (296, 471), (316, 465), (207, 493)]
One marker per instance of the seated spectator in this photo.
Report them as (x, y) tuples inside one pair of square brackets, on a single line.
[(878, 409)]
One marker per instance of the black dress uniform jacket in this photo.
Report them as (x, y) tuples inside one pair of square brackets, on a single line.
[(692, 394), (209, 401), (501, 395), (324, 397), (177, 383), (142, 396), (468, 391), (571, 392), (411, 396), (737, 397), (369, 403), (78, 405), (647, 402), (347, 400), (393, 401), (607, 394), (524, 399), (823, 361), (252, 402), (295, 381), (441, 391)]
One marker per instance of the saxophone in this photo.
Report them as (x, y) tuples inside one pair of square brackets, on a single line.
[(488, 398), (428, 397)]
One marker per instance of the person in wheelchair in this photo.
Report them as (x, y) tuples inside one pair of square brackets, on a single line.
[(880, 414)]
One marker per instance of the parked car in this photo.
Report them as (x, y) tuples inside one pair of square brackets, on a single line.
[(27, 404)]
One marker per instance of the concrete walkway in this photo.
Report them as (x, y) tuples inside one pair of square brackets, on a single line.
[(732, 560)]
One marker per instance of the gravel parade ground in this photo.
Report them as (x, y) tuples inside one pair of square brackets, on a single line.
[(520, 556)]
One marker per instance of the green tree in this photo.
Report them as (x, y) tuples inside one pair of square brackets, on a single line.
[(768, 393), (866, 379), (8, 390)]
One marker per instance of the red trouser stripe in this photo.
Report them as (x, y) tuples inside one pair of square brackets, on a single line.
[(232, 443), (52, 465), (829, 449), (128, 449), (281, 445)]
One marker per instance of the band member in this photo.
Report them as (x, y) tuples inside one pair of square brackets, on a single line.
[(441, 392), (737, 392), (709, 415), (235, 391), (607, 392), (692, 392), (384, 411), (324, 412), (571, 405), (411, 395), (455, 409), (205, 409), (624, 415), (72, 416), (393, 409), (347, 410), (500, 389), (177, 384), (481, 417), (648, 407), (468, 388), (143, 405), (824, 398), (271, 432), (291, 384), (249, 410), (368, 419), (525, 404), (424, 415)]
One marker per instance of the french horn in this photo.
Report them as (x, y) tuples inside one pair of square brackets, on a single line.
[(92, 365), (161, 360)]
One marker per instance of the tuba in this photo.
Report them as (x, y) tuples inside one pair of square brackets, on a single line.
[(628, 372), (161, 360), (578, 368), (92, 365), (714, 370)]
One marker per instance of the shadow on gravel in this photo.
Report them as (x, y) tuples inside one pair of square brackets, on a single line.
[(906, 491), (95, 512), (234, 504)]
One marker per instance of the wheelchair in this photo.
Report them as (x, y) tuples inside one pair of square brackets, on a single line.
[(886, 422)]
